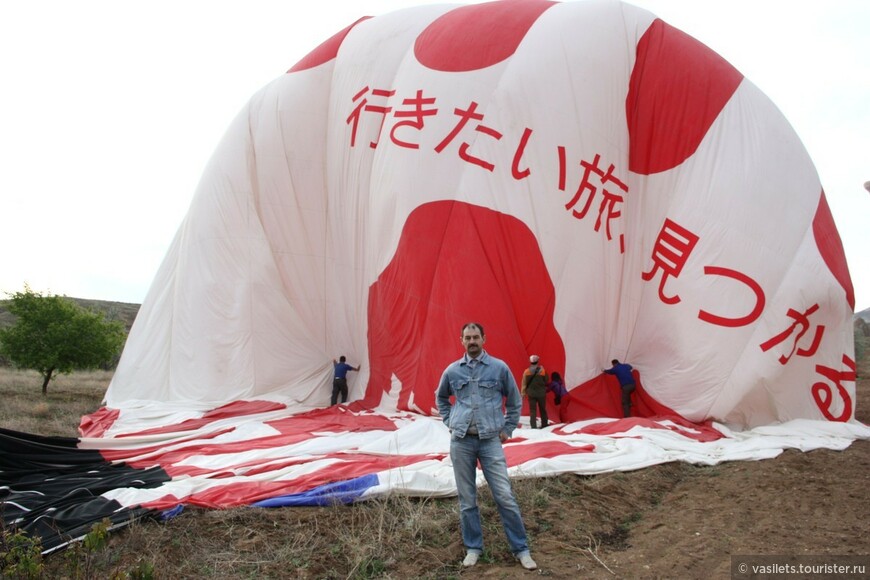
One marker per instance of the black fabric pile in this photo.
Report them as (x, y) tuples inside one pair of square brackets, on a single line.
[(50, 489)]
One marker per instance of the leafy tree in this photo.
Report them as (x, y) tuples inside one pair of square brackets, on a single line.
[(53, 334)]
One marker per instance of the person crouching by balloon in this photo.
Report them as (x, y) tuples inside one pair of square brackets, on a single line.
[(557, 387)]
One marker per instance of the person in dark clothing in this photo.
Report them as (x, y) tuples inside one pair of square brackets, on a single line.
[(534, 386), (339, 379), (622, 371)]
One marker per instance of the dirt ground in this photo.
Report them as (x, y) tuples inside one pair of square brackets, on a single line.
[(668, 521), (687, 522)]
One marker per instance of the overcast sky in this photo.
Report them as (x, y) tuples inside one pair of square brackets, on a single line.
[(109, 111)]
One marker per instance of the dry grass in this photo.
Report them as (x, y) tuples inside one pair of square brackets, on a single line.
[(395, 537), (59, 412)]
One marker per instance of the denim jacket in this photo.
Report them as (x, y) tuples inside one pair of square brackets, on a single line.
[(480, 390)]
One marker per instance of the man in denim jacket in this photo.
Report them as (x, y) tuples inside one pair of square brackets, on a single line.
[(480, 385)]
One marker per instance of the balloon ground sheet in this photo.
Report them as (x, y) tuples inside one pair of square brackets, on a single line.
[(153, 460)]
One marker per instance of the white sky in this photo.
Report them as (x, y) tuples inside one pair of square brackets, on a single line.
[(109, 111)]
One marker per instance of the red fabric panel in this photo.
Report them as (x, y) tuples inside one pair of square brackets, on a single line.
[(332, 419), (554, 411), (831, 248), (519, 454), (295, 429), (241, 408), (677, 89), (97, 423), (238, 494), (326, 51), (477, 36), (234, 409), (602, 397), (123, 454), (703, 432), (455, 263), (171, 457), (292, 430)]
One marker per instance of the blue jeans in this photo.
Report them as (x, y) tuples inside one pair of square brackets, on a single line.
[(465, 453)]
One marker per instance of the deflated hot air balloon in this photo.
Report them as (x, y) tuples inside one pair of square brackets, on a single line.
[(580, 177), (583, 179)]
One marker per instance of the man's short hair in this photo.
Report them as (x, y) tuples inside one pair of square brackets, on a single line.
[(342, 358), (614, 362), (469, 325)]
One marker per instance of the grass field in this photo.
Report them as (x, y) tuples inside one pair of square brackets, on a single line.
[(57, 414)]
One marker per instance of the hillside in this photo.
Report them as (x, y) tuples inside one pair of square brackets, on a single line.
[(123, 311), (126, 311)]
